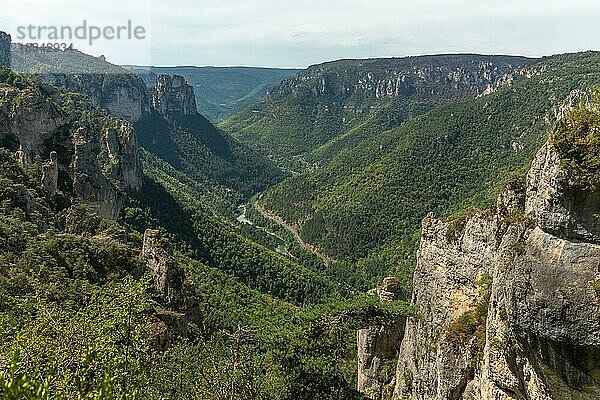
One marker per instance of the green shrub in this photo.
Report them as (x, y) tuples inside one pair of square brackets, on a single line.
[(472, 323), (463, 328), (577, 140)]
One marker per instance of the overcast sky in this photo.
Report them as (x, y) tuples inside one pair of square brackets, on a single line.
[(299, 33)]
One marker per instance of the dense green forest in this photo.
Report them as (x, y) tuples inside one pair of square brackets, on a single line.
[(370, 198), (198, 233), (81, 318), (200, 152), (338, 103), (76, 321)]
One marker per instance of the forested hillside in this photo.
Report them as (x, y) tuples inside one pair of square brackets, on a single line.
[(370, 199), (339, 103), (105, 308), (78, 320), (224, 170), (221, 170)]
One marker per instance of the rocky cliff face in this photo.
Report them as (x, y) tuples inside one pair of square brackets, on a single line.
[(114, 89), (110, 87), (157, 254), (427, 77), (508, 301), (344, 103), (50, 175), (105, 165), (85, 153), (29, 119), (378, 348), (561, 208), (171, 95), (175, 310), (123, 95)]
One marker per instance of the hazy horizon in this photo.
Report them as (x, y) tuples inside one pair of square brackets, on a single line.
[(345, 59), (272, 34)]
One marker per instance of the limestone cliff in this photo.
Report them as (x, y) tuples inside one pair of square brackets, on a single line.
[(157, 254), (508, 300), (172, 95), (30, 118), (105, 164), (378, 348), (50, 174), (423, 77), (176, 309), (85, 153), (108, 86), (121, 94)]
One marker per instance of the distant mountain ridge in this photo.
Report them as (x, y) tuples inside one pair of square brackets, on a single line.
[(220, 91), (329, 101), (372, 195)]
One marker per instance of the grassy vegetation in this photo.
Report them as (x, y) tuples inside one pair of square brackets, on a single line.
[(472, 323)]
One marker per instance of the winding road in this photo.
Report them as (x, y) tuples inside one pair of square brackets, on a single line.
[(279, 221)]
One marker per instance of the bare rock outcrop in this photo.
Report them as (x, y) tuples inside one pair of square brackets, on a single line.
[(176, 311), (94, 160), (29, 119), (508, 302), (378, 348), (108, 86), (105, 165), (121, 94), (5, 58), (89, 182), (172, 95), (157, 254), (50, 174), (120, 153), (425, 77), (560, 207)]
